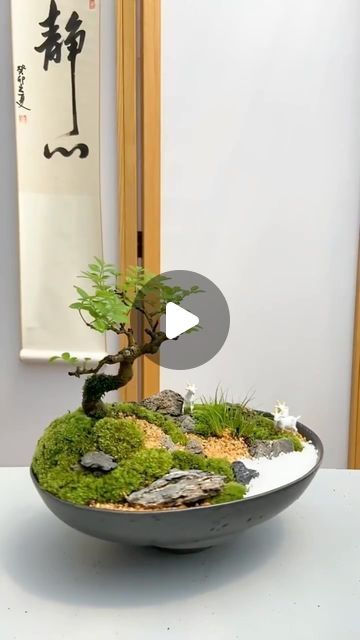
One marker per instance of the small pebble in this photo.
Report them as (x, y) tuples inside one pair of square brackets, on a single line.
[(242, 473), (193, 446), (98, 461)]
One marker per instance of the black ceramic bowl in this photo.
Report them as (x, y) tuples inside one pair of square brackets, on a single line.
[(183, 530)]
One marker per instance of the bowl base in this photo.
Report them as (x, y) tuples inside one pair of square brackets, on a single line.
[(181, 551)]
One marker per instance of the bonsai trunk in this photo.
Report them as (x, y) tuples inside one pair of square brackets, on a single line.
[(100, 383)]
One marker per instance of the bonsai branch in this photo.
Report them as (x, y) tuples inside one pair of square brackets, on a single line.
[(100, 383)]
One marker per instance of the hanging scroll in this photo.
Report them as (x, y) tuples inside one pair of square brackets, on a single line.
[(56, 79)]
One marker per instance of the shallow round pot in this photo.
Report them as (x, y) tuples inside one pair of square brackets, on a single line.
[(184, 529)]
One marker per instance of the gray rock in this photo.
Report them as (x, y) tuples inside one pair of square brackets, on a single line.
[(242, 473), (178, 488), (282, 446), (270, 448), (261, 449), (186, 423), (167, 443), (193, 446), (167, 402), (98, 461)]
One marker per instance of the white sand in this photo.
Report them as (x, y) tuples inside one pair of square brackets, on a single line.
[(276, 472)]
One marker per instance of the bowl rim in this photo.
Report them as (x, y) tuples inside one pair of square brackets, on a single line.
[(310, 435)]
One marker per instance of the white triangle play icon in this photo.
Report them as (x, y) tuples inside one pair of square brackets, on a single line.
[(178, 320)]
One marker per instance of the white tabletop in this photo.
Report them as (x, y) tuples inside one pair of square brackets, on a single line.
[(295, 577)]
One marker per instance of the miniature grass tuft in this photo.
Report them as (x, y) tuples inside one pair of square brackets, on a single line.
[(215, 416)]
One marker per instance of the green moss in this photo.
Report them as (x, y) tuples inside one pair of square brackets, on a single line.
[(185, 460), (143, 468), (64, 441), (298, 445), (82, 487), (119, 437), (258, 427), (57, 454), (213, 418), (168, 426), (231, 491)]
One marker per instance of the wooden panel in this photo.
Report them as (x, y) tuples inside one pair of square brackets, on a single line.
[(354, 435), (151, 160), (127, 145)]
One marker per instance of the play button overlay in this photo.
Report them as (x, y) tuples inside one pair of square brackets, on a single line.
[(196, 325), (178, 320)]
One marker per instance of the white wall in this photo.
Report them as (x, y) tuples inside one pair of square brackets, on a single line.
[(33, 394), (260, 192)]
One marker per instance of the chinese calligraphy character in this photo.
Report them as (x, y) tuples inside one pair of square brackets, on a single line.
[(81, 147), (21, 93), (51, 47), (74, 43)]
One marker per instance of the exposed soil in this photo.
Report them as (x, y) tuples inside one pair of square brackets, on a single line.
[(126, 507), (225, 447), (153, 434)]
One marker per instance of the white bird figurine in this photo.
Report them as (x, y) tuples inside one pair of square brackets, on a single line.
[(189, 397), (282, 418)]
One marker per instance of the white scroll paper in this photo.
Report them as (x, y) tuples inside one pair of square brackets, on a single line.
[(56, 82)]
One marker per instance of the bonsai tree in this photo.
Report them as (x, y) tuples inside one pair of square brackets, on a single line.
[(115, 304)]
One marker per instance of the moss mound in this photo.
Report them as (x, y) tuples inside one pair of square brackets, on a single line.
[(58, 452), (119, 437), (68, 438), (168, 426), (64, 441), (82, 487)]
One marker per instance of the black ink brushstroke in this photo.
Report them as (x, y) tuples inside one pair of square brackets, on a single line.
[(74, 43), (83, 148), (22, 106), (51, 47)]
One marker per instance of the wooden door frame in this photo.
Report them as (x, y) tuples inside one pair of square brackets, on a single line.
[(139, 121), (151, 163), (138, 115), (354, 433)]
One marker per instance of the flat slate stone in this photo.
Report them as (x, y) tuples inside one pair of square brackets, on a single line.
[(167, 402), (98, 461), (242, 473), (178, 488)]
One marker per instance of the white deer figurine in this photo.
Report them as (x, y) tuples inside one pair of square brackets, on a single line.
[(189, 397), (282, 418)]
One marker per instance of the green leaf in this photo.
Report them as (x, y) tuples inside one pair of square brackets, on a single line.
[(53, 358), (100, 325), (94, 267), (76, 305), (82, 293)]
